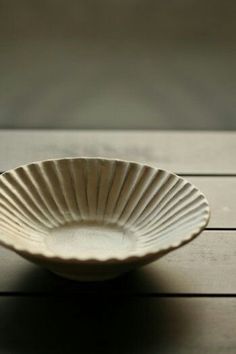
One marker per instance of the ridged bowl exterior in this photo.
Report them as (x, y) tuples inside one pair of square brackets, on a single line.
[(153, 210)]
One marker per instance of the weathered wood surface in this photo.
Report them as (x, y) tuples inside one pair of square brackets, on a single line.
[(221, 194), (206, 265), (181, 152), (117, 325), (157, 309)]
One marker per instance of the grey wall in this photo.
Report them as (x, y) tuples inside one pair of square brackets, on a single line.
[(118, 64)]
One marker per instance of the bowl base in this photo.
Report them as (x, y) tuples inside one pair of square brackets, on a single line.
[(90, 240)]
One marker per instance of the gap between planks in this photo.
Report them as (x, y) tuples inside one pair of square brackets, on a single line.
[(114, 294)]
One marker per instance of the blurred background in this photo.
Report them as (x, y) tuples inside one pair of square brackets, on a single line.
[(110, 64)]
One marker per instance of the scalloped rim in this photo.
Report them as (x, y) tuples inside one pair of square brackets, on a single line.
[(133, 256)]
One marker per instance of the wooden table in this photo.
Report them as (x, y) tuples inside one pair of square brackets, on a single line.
[(183, 303)]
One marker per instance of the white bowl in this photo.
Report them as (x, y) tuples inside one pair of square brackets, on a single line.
[(94, 218)]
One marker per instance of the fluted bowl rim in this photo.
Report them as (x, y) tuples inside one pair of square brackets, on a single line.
[(145, 255)]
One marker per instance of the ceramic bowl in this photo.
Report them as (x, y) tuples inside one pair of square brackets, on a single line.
[(93, 218)]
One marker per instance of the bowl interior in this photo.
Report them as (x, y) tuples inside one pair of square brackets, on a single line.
[(96, 208)]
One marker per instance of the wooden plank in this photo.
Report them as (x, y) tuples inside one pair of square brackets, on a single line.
[(206, 265), (118, 325), (181, 152), (221, 194)]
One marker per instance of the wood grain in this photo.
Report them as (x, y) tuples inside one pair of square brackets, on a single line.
[(118, 325), (221, 194), (206, 265), (125, 315), (181, 152)]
